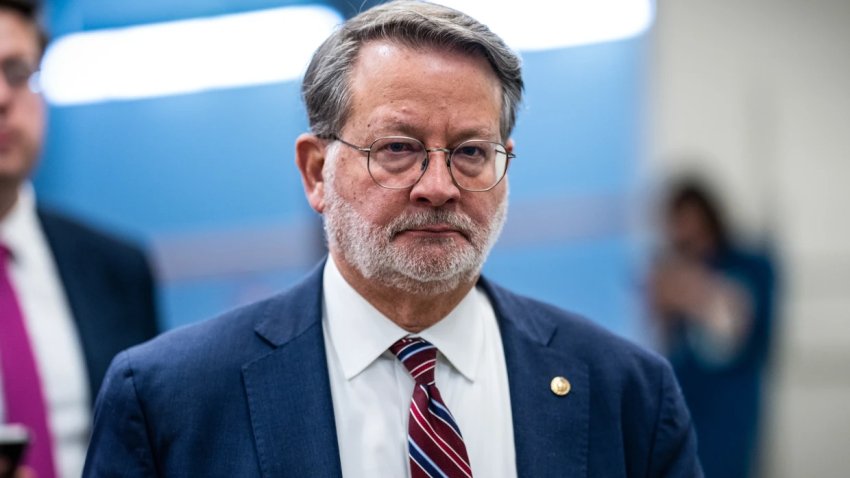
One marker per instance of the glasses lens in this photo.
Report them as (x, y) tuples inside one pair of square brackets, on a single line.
[(16, 72), (396, 162), (479, 165)]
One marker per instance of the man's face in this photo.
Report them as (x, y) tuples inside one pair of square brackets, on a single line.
[(434, 236), (21, 110), (690, 232)]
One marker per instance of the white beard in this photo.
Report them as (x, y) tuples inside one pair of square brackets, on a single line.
[(373, 252)]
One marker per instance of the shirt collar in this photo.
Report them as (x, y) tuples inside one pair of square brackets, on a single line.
[(360, 333), (20, 225)]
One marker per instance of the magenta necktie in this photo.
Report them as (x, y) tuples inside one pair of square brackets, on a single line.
[(434, 443), (23, 397)]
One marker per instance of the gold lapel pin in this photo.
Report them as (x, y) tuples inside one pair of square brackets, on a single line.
[(560, 386)]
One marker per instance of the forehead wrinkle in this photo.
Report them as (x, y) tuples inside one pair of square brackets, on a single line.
[(397, 125), (401, 104)]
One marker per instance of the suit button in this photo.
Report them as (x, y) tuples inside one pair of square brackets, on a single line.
[(560, 386)]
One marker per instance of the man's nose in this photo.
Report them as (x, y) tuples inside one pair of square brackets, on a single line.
[(436, 186), (6, 92)]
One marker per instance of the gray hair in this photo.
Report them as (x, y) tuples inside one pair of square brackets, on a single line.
[(326, 87)]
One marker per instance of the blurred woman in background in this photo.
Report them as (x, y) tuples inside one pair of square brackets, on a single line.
[(714, 305)]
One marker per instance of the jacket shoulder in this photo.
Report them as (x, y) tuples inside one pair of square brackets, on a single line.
[(562, 329), (58, 225), (71, 239), (236, 337)]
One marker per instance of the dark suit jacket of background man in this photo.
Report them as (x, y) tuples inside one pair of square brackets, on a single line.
[(248, 394), (109, 288)]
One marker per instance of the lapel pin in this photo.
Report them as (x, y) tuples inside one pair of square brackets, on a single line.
[(560, 386)]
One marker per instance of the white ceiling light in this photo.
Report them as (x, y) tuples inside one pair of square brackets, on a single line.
[(544, 24), (186, 56), (275, 45)]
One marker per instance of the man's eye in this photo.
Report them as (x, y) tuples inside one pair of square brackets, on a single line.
[(398, 147), (471, 151), (16, 73)]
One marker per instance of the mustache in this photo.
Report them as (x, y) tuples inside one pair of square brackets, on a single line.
[(420, 219)]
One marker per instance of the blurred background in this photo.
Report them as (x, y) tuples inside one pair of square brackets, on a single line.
[(173, 123)]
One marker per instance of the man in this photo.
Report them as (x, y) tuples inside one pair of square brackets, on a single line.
[(70, 298), (411, 106)]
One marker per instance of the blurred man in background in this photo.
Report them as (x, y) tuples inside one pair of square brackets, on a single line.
[(714, 304), (70, 297)]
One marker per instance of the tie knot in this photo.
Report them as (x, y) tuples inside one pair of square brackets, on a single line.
[(418, 356)]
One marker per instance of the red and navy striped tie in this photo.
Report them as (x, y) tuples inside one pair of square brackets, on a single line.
[(434, 443)]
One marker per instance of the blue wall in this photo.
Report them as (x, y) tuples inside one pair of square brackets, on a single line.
[(208, 182)]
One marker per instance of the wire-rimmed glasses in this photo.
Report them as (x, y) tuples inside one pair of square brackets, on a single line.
[(398, 162)]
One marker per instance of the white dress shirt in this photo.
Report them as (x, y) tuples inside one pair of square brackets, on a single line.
[(53, 334), (372, 390)]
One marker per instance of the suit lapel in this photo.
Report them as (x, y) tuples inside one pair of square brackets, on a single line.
[(85, 297), (550, 431), (288, 389)]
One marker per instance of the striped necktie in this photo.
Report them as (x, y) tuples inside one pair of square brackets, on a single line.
[(434, 443), (23, 397)]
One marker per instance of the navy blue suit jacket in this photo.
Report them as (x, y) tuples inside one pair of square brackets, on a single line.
[(247, 394), (109, 288)]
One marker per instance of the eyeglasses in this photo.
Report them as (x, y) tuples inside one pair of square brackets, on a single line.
[(399, 162), (19, 73)]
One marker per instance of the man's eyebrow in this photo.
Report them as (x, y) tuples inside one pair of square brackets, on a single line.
[(478, 133), (395, 127), (16, 58)]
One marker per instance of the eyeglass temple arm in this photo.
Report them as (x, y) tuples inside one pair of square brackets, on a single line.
[(337, 138)]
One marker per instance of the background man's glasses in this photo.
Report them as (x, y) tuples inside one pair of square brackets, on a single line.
[(398, 162), (18, 73)]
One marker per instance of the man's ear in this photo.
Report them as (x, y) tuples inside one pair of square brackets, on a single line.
[(310, 159), (509, 146)]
